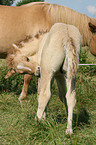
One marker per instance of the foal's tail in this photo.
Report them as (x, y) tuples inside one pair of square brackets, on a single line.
[(72, 58)]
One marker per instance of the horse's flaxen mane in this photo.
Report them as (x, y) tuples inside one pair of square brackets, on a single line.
[(56, 13), (66, 15)]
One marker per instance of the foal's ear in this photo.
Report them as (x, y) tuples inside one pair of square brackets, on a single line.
[(15, 48), (92, 27)]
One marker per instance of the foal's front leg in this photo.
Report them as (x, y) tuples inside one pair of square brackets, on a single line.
[(43, 97), (71, 100), (27, 79)]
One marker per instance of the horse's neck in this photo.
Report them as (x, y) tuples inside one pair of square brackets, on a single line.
[(69, 16)]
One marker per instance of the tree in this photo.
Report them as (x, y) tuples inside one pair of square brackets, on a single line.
[(27, 1), (6, 2)]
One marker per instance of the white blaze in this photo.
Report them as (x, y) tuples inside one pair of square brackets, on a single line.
[(21, 66)]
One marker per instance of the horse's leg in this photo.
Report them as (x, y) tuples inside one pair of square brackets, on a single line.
[(71, 100), (27, 79), (44, 96)]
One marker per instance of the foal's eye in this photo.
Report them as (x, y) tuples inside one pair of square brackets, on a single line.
[(27, 59)]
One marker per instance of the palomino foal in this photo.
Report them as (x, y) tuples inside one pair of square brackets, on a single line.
[(58, 56)]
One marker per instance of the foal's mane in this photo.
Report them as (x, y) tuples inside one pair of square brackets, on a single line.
[(29, 38), (20, 45)]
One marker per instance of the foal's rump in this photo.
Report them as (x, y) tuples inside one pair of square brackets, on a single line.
[(61, 49)]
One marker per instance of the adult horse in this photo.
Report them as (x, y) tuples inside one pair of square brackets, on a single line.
[(18, 22)]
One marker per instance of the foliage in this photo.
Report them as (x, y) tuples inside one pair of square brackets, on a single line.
[(6, 2), (22, 2)]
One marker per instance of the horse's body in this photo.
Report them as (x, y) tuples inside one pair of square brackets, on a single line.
[(57, 55), (18, 22)]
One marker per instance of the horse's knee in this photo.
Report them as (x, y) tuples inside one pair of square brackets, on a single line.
[(27, 78)]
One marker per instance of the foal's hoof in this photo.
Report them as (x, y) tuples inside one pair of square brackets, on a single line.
[(37, 119), (40, 118), (69, 131), (22, 99)]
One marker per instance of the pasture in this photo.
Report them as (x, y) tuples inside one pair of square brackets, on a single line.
[(17, 121)]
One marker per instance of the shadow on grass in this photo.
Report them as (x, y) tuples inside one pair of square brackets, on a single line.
[(61, 118), (81, 119)]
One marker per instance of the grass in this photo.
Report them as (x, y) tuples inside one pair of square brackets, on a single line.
[(17, 122)]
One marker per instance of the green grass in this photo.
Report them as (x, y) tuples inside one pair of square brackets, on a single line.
[(17, 122)]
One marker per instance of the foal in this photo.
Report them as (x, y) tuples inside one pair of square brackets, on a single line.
[(60, 58), (57, 55)]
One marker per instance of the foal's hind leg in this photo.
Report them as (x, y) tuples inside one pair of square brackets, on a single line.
[(27, 79), (71, 100)]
